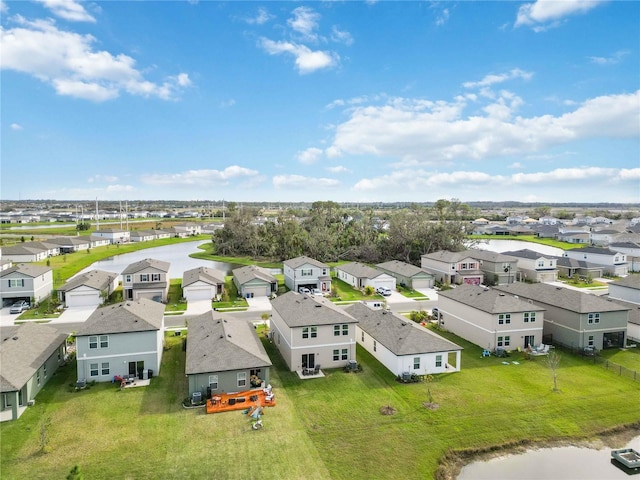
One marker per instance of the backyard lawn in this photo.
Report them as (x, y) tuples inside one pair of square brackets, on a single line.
[(320, 428)]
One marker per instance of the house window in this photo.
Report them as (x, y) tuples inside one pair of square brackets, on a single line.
[(345, 354), (590, 341), (438, 360), (529, 317), (594, 318), (363, 335), (38, 377), (504, 318), (507, 341), (306, 272), (16, 282), (345, 329), (242, 379), (336, 330), (105, 368), (541, 263), (213, 382), (93, 342), (93, 369), (305, 332), (336, 355), (500, 341), (314, 332), (127, 279), (155, 277), (44, 367), (416, 363), (104, 341), (375, 346), (144, 277), (463, 266)]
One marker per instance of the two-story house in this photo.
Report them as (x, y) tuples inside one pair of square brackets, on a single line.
[(146, 279), (627, 292), (25, 282), (614, 263), (121, 339), (408, 275), (575, 319), (453, 267), (359, 275), (534, 266), (308, 273), (497, 268), (401, 345), (310, 330), (490, 318)]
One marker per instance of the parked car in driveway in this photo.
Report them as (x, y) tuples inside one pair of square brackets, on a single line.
[(19, 307), (384, 291), (304, 290)]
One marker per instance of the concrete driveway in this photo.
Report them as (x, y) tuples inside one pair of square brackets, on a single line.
[(198, 307), (74, 315), (259, 304), (428, 292), (7, 319)]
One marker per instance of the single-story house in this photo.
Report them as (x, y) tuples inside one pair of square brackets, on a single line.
[(29, 354), (401, 345), (121, 339), (202, 283), (359, 275), (224, 355), (407, 275), (253, 281), (88, 289)]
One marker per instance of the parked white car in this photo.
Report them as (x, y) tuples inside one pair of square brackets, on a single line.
[(19, 307), (304, 290), (384, 291)]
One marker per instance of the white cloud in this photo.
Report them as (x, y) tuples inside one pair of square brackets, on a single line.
[(421, 132), (3, 7), (306, 60), (340, 36), (301, 182), (102, 178), (442, 17), (492, 79), (305, 22), (544, 14), (16, 126), (67, 61), (612, 60), (338, 169), (262, 17), (309, 156), (515, 166), (200, 177), (227, 103), (69, 10)]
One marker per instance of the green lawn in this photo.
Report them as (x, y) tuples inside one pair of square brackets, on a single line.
[(528, 238), (327, 428)]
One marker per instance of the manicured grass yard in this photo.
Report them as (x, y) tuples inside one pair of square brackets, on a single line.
[(321, 428)]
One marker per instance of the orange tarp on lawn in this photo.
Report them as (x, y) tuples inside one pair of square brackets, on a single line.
[(225, 402)]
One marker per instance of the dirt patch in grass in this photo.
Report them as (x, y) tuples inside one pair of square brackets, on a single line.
[(388, 410), (431, 405), (452, 462)]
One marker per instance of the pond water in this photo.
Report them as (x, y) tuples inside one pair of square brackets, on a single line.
[(177, 255), (501, 246), (566, 463)]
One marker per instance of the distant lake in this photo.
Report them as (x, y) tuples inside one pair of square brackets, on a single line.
[(501, 246), (177, 255), (566, 463)]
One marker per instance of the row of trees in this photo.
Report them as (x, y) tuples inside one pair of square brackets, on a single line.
[(328, 232)]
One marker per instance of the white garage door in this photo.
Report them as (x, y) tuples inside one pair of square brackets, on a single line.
[(390, 284), (422, 283), (192, 294), (256, 291), (82, 300)]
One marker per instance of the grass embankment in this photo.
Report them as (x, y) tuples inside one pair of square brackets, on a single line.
[(529, 238), (321, 428)]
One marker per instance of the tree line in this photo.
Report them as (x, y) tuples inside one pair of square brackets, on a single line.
[(328, 233)]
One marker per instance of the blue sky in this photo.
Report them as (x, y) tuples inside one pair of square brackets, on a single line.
[(305, 101)]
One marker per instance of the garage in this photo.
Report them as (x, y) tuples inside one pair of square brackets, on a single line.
[(198, 293), (82, 299), (255, 291), (421, 283)]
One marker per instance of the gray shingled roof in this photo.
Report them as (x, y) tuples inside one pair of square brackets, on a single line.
[(489, 256), (303, 310), (23, 350), (488, 300), (23, 250), (403, 268), (574, 263), (26, 269), (360, 270), (526, 253), (96, 279), (251, 272), (216, 343), (131, 316), (447, 256), (397, 334), (560, 297), (299, 261), (598, 250), (76, 241), (631, 281), (147, 263), (205, 274)]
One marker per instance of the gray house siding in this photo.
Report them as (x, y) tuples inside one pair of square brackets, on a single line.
[(227, 382)]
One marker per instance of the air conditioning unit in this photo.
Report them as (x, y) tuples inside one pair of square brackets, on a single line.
[(31, 403)]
